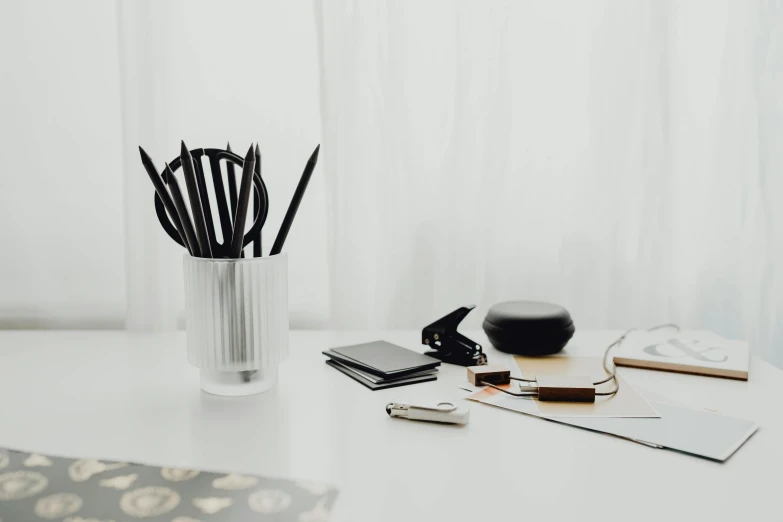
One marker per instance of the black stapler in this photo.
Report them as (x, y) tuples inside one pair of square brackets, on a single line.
[(449, 345)]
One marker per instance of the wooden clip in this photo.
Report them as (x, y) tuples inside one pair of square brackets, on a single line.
[(567, 388), (492, 373)]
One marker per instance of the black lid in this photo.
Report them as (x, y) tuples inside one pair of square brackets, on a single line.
[(528, 327), (513, 315)]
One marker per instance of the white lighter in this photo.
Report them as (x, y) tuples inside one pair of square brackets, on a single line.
[(433, 411)]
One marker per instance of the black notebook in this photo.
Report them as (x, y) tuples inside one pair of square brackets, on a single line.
[(381, 384), (383, 380), (387, 362), (383, 359)]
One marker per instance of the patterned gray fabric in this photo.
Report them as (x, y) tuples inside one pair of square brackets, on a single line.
[(43, 487)]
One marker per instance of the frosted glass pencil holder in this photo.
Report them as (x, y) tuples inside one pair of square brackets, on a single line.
[(236, 314)]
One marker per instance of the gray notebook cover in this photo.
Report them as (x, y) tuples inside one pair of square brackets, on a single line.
[(383, 359), (44, 487)]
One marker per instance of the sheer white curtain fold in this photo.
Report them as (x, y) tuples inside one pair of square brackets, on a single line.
[(616, 157), (208, 73)]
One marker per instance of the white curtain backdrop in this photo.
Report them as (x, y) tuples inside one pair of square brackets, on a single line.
[(207, 72), (619, 158)]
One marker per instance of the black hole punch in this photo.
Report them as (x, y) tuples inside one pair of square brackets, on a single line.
[(451, 346)]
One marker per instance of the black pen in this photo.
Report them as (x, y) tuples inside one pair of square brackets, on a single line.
[(168, 204), (257, 206), (294, 205), (182, 211), (244, 199), (195, 201), (232, 186)]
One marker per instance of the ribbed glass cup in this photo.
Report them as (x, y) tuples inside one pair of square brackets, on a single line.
[(236, 314)]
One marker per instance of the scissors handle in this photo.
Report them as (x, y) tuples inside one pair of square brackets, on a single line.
[(215, 155)]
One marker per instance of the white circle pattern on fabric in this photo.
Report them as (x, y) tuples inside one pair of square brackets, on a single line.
[(212, 505), (145, 502), (21, 484), (120, 482), (81, 470), (80, 519), (58, 505), (149, 502), (178, 474), (234, 481), (36, 460), (269, 501)]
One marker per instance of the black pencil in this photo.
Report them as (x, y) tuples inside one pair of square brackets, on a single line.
[(232, 196), (257, 205), (182, 211), (242, 203), (232, 186), (168, 204), (195, 201), (294, 205)]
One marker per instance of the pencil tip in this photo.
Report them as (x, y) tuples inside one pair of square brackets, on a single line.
[(258, 150), (183, 148), (250, 154), (144, 155), (314, 156), (228, 146)]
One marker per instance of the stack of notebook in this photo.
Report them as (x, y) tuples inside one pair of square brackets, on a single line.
[(380, 365)]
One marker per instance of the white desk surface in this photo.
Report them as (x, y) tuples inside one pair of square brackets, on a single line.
[(126, 396)]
